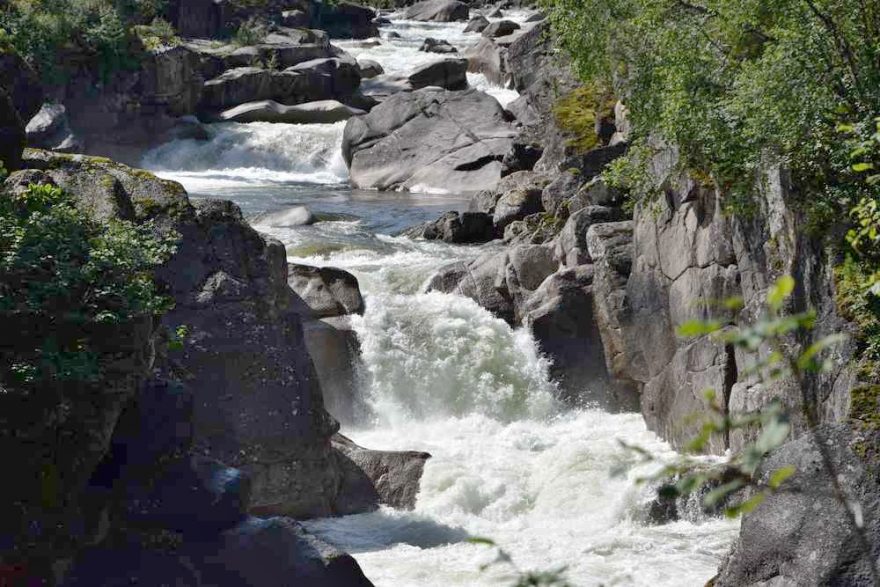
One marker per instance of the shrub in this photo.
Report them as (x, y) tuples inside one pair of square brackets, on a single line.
[(62, 274)]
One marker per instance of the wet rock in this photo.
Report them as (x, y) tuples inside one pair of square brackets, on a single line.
[(378, 477), (500, 28), (429, 138), (449, 74), (455, 227), (296, 216), (476, 24), (432, 45), (327, 291), (438, 11), (370, 69), (320, 112), (335, 351)]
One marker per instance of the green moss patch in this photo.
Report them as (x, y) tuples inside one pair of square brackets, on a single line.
[(576, 114)]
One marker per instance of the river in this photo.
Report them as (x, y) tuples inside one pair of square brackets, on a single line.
[(442, 375)]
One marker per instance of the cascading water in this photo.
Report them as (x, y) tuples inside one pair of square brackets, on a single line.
[(444, 376)]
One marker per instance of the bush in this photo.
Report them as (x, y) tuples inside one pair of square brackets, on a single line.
[(731, 82), (63, 274), (251, 32)]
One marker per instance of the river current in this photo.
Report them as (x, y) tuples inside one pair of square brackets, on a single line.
[(442, 375)]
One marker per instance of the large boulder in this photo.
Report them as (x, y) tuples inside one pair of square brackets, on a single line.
[(230, 289), (429, 139), (560, 315), (522, 181), (377, 477), (335, 352), (345, 20), (455, 227), (802, 534), (449, 74), (257, 552), (369, 68), (320, 112), (438, 11), (516, 204)]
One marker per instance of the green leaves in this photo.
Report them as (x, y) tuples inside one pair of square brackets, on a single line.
[(59, 266), (779, 292)]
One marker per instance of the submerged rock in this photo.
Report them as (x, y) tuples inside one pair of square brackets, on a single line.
[(429, 139), (431, 45)]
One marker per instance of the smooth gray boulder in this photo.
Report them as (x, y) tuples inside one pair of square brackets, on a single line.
[(432, 45), (486, 201), (327, 291), (369, 68), (377, 477), (438, 11), (449, 74), (320, 112), (801, 535), (500, 28), (455, 227), (429, 139), (476, 24)]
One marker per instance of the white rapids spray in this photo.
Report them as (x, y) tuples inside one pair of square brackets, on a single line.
[(443, 375)]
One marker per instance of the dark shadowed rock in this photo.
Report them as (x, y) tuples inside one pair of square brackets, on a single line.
[(198, 18), (429, 138), (335, 351), (449, 74), (438, 11), (516, 204), (432, 45), (345, 20), (476, 24), (454, 227), (560, 315), (377, 477), (326, 290), (20, 98), (500, 28), (522, 181)]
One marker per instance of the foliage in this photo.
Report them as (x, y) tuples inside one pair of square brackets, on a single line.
[(44, 31), (250, 32), (159, 33), (731, 81), (61, 268), (520, 578), (576, 114)]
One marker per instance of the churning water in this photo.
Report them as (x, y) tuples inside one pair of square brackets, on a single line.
[(442, 375)]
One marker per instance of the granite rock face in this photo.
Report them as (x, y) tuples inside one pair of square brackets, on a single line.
[(429, 139)]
